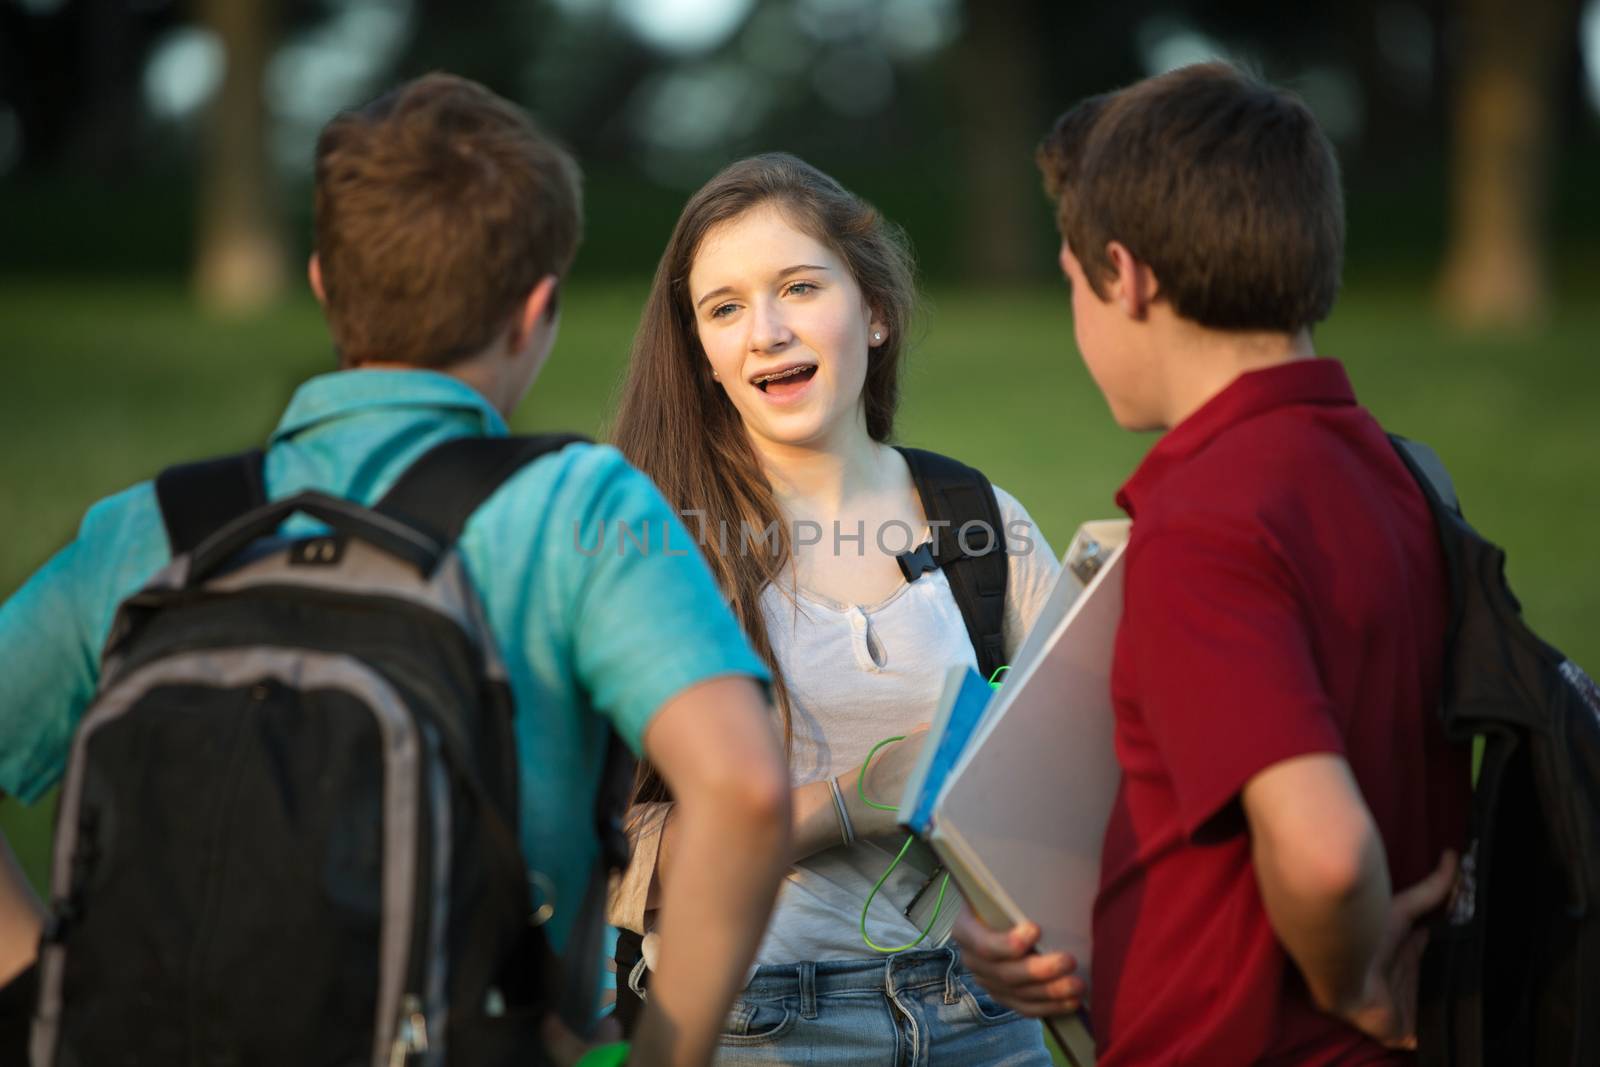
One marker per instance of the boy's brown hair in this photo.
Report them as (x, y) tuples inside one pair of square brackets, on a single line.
[(439, 207), (1225, 186)]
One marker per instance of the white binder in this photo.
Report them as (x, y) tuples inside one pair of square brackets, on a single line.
[(1020, 815)]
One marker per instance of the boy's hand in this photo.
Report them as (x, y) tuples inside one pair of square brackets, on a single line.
[(1387, 1011), (1004, 963)]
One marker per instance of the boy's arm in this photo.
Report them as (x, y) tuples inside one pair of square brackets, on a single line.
[(1325, 884), (36, 701), (1233, 701), (50, 634), (715, 748), (657, 651), (48, 677)]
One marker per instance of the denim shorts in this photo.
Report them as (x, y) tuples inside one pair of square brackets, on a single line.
[(915, 1009)]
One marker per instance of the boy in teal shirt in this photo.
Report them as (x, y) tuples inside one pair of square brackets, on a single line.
[(444, 223)]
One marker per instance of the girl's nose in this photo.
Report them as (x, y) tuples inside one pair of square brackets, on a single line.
[(769, 330)]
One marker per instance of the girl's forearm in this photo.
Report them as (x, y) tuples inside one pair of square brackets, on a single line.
[(814, 828), (816, 825), (21, 916)]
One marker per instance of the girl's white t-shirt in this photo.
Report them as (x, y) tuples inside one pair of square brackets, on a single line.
[(857, 673)]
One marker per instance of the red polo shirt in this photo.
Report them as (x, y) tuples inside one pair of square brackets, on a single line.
[(1285, 595)]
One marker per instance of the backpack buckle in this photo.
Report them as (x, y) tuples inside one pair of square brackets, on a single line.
[(324, 551), (917, 562)]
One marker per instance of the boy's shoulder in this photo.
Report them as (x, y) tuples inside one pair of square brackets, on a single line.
[(1276, 484), (1286, 453), (563, 516), (131, 512), (583, 481), (121, 542)]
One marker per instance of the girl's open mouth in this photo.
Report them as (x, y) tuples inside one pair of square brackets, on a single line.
[(786, 381)]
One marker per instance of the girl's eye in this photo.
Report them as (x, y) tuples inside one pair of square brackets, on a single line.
[(801, 288), (722, 311)]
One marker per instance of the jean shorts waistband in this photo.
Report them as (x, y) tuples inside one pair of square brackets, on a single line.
[(901, 971)]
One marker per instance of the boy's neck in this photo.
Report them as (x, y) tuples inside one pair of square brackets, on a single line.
[(489, 373), (1202, 362)]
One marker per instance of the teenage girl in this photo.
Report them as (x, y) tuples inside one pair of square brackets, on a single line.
[(761, 396)]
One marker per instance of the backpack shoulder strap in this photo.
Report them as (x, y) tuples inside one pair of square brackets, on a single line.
[(440, 491), (1433, 481), (436, 496), (1429, 471), (198, 499), (968, 544)]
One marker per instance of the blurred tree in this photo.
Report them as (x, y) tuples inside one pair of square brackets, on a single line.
[(939, 133), (71, 74), (1511, 53), (997, 80), (240, 262), (112, 51), (577, 70)]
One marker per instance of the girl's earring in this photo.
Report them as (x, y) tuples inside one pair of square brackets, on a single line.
[(716, 377), (876, 336)]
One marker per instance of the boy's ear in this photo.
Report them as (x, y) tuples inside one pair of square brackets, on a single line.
[(314, 276), (538, 305), (1134, 285)]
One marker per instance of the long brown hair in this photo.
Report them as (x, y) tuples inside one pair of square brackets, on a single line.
[(675, 423)]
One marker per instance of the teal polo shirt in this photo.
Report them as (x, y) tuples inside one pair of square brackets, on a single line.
[(593, 630)]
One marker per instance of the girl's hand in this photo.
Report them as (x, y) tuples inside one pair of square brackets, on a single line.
[(885, 781)]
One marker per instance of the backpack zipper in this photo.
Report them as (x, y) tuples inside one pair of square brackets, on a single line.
[(412, 1038)]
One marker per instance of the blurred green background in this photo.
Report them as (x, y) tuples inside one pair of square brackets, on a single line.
[(154, 214)]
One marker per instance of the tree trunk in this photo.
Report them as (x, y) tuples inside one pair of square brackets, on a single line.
[(106, 133), (996, 83), (1495, 272), (240, 261)]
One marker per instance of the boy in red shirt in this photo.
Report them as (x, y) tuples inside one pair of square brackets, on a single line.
[(1278, 666)]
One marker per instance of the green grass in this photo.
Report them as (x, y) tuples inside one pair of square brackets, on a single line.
[(106, 383)]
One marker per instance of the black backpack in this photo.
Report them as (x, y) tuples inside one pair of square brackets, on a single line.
[(288, 832), (970, 548), (969, 545), (1511, 974)]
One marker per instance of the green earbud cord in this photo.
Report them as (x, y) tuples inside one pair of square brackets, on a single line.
[(938, 904), (612, 1055)]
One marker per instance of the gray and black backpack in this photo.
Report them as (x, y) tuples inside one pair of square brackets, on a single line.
[(288, 832)]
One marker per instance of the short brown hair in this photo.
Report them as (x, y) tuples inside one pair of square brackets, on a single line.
[(439, 206), (1224, 185)]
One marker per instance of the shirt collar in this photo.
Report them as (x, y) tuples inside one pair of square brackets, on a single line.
[(1301, 381), (341, 393)]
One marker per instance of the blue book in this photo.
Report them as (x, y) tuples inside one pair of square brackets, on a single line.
[(961, 707)]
